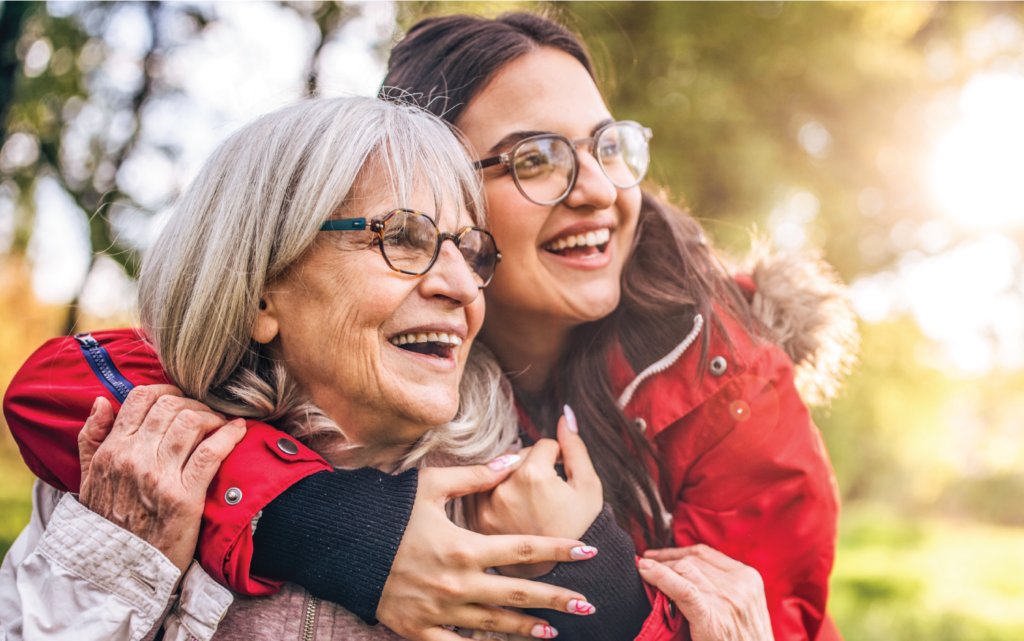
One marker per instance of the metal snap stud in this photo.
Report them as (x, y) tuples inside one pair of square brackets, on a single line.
[(287, 446), (671, 609), (233, 496), (641, 425), (718, 366)]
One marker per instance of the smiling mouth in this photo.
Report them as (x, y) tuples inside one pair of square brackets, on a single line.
[(437, 344), (588, 245)]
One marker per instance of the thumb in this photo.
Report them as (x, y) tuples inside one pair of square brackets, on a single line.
[(443, 483), (579, 469), (96, 429), (686, 595)]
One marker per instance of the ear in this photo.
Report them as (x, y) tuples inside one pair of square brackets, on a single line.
[(266, 327)]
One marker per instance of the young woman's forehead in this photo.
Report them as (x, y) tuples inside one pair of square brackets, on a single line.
[(546, 91)]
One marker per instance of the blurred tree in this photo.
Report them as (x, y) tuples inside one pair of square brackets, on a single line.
[(52, 88)]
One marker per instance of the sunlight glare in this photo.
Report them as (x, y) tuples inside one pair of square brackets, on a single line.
[(977, 172)]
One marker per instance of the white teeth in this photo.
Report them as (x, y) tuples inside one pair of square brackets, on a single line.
[(589, 239), (428, 337)]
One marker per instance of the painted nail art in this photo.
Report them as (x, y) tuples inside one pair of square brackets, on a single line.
[(541, 631), (582, 552), (504, 462), (576, 606), (570, 419)]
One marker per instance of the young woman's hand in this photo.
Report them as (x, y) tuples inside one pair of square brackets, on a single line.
[(722, 599), (439, 576), (148, 471), (535, 499)]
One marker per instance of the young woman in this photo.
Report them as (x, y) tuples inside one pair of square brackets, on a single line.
[(710, 443)]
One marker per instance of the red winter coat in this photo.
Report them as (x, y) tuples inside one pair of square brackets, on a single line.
[(749, 473)]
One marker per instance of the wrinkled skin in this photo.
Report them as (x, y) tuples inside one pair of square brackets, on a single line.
[(722, 599), (148, 471)]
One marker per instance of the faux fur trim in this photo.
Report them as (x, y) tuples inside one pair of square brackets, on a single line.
[(807, 311)]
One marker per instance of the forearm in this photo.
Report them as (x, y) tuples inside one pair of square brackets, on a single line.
[(336, 535), (611, 582)]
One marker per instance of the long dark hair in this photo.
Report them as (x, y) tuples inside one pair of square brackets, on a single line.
[(670, 276)]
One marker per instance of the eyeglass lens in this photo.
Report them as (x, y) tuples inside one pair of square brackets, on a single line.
[(545, 167), (410, 244)]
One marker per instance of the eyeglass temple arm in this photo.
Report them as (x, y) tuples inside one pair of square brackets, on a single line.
[(490, 162), (344, 224)]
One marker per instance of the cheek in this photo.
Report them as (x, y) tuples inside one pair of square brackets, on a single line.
[(511, 218)]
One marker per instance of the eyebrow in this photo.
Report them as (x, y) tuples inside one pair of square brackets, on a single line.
[(514, 137)]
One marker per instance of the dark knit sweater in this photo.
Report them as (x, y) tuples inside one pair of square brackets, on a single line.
[(610, 581), (336, 534)]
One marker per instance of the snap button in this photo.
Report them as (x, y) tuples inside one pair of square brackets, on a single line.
[(287, 446), (718, 366), (671, 609), (233, 496), (641, 425)]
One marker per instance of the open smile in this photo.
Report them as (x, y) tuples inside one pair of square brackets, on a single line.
[(441, 345), (584, 246)]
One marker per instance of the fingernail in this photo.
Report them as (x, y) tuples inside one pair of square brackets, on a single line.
[(582, 552), (95, 406), (570, 419), (541, 631), (646, 564), (240, 422), (578, 606), (504, 462)]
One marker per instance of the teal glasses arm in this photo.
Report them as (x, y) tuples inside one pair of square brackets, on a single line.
[(344, 224)]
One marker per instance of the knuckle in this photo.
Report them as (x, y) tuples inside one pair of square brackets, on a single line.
[(460, 555), (168, 403), (524, 551), (488, 623), (142, 394), (516, 598)]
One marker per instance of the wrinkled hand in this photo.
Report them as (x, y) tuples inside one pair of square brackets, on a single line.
[(722, 599), (535, 499), (439, 574), (148, 471)]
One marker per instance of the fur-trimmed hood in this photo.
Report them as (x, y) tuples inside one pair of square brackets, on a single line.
[(806, 310)]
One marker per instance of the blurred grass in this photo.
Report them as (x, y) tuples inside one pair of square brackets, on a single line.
[(15, 492), (908, 577)]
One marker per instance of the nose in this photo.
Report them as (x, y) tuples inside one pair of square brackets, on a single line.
[(593, 188), (450, 278)]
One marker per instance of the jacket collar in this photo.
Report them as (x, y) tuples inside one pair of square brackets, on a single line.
[(675, 385)]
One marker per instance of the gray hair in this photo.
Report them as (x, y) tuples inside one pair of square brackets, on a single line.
[(252, 212)]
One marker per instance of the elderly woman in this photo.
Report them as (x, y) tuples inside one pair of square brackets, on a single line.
[(305, 280)]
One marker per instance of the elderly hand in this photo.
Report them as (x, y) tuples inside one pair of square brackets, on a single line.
[(148, 471), (439, 574), (536, 500), (722, 599)]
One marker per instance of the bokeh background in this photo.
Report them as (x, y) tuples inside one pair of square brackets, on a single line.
[(889, 136)]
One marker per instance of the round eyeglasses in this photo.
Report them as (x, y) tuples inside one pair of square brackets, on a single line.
[(410, 242), (545, 167)]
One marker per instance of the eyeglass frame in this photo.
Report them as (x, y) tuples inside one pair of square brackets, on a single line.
[(508, 157), (376, 225)]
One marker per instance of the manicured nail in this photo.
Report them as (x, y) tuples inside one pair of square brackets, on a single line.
[(504, 462), (570, 419), (577, 606), (541, 631), (582, 552), (95, 406)]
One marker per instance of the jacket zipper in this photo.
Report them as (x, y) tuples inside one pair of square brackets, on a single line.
[(663, 364), (309, 625)]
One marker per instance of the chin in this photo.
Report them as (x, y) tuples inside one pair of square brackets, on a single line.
[(434, 407)]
